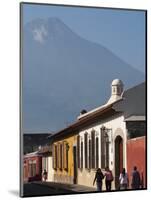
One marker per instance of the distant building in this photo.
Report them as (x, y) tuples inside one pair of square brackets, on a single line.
[(32, 167), (46, 153), (36, 162), (110, 135)]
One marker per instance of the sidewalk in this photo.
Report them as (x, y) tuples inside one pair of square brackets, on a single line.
[(68, 187)]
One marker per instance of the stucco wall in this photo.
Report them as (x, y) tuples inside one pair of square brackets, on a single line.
[(89, 178), (37, 160), (136, 156), (86, 177), (47, 164), (51, 171), (117, 127), (66, 176)]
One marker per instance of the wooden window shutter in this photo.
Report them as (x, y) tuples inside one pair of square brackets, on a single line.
[(107, 154), (59, 163), (61, 156), (86, 149), (97, 152), (81, 155), (56, 156), (90, 154), (64, 155), (102, 149), (65, 152), (93, 148), (67, 156), (78, 151), (53, 156)]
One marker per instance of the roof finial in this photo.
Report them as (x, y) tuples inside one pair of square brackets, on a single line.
[(116, 90)]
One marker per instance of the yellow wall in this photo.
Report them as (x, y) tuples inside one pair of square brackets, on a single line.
[(66, 175)]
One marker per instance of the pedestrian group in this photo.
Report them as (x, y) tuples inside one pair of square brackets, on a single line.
[(136, 182)]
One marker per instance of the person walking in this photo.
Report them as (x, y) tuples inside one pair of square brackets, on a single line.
[(108, 178), (98, 178), (136, 180), (45, 175), (123, 179)]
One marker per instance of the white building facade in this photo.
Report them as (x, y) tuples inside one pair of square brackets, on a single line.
[(103, 142), (102, 135), (47, 165)]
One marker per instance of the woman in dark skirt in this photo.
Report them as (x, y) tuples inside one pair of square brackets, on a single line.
[(98, 178)]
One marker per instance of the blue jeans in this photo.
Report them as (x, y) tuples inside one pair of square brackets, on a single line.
[(99, 186)]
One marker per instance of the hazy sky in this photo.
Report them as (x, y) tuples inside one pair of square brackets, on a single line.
[(121, 31), (113, 28)]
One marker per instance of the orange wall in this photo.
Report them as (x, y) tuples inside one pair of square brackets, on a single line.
[(136, 156)]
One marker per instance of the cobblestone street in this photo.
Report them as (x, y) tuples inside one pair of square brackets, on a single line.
[(51, 188)]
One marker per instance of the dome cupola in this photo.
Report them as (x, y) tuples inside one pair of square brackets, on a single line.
[(117, 87)]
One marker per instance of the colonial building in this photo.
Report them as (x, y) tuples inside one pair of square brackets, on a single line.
[(134, 107), (102, 137), (106, 140), (32, 167), (36, 162), (46, 153), (64, 156)]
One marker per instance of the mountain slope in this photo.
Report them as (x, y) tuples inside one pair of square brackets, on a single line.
[(64, 73)]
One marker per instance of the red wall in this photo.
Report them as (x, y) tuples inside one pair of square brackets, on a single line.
[(136, 156), (38, 166)]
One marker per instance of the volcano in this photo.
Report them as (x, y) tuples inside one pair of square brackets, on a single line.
[(64, 73)]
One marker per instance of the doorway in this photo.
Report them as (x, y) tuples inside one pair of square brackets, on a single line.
[(74, 165), (118, 159)]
